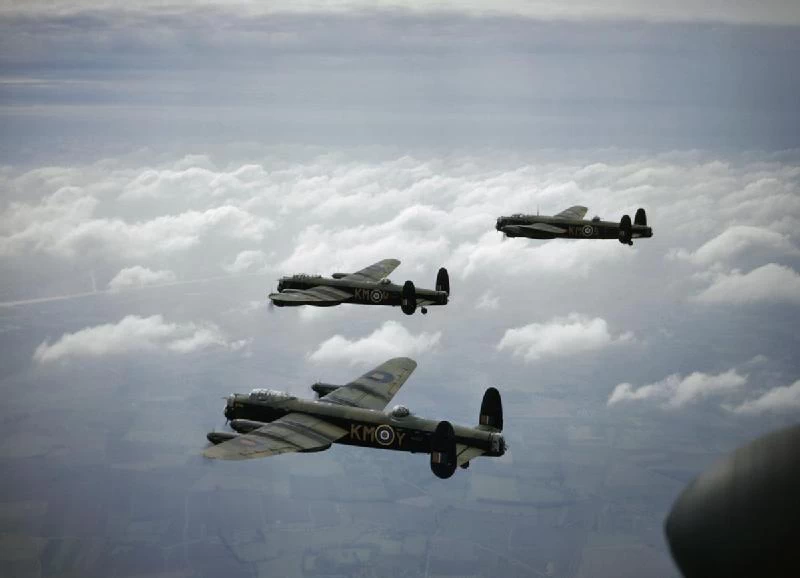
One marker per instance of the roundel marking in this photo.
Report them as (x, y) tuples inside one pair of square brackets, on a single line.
[(376, 296), (384, 435), (380, 376), (588, 230)]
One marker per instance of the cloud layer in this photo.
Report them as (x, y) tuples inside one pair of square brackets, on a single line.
[(134, 334), (138, 276), (770, 283), (390, 340), (676, 391), (562, 336), (778, 400)]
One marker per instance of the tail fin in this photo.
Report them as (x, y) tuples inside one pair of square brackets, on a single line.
[(640, 218), (443, 281), (491, 417)]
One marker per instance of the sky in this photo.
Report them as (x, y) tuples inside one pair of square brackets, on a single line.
[(162, 165)]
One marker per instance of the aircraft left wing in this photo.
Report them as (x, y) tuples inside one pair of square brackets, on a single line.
[(376, 388), (544, 227), (374, 272), (320, 294), (294, 432), (577, 212)]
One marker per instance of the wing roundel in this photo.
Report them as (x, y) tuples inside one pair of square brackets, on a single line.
[(376, 388)]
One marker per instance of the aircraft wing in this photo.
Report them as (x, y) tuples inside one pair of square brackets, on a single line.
[(319, 294), (544, 227), (294, 432), (374, 272), (376, 388), (465, 453), (576, 212)]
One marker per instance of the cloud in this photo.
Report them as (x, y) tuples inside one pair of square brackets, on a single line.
[(63, 225), (519, 256), (777, 400), (390, 340), (134, 334), (571, 335), (769, 11), (736, 240), (676, 391), (249, 260), (770, 283), (138, 276), (488, 301)]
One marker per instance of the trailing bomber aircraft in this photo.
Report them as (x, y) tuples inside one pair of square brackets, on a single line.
[(369, 286), (270, 423), (570, 224)]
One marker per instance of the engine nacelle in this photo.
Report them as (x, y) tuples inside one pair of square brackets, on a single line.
[(323, 389), (491, 415), (244, 426), (339, 275), (443, 281), (443, 450), (217, 437), (408, 298), (625, 233)]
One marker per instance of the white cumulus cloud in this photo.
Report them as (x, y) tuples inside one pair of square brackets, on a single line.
[(390, 340), (780, 399), (569, 335), (735, 240), (138, 276), (676, 391), (488, 301), (769, 283), (134, 334), (250, 260), (64, 225)]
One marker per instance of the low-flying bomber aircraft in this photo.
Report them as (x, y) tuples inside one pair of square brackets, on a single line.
[(570, 224), (270, 423), (370, 286)]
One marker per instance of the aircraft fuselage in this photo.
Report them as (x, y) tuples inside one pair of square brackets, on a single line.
[(362, 293), (364, 427), (516, 226)]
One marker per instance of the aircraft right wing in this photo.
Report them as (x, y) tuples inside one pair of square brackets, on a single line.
[(294, 432), (319, 294), (376, 388), (577, 212), (374, 272)]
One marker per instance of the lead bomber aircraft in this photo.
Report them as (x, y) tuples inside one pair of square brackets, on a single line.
[(369, 286), (570, 223), (270, 423)]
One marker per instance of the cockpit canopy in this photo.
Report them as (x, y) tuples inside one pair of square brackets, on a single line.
[(400, 411), (269, 395), (596, 218), (385, 281)]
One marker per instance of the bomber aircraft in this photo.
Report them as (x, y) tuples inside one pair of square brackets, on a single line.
[(570, 224), (369, 286), (270, 423)]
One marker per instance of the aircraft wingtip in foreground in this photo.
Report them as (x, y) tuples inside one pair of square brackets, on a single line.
[(369, 286), (570, 224), (271, 423)]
